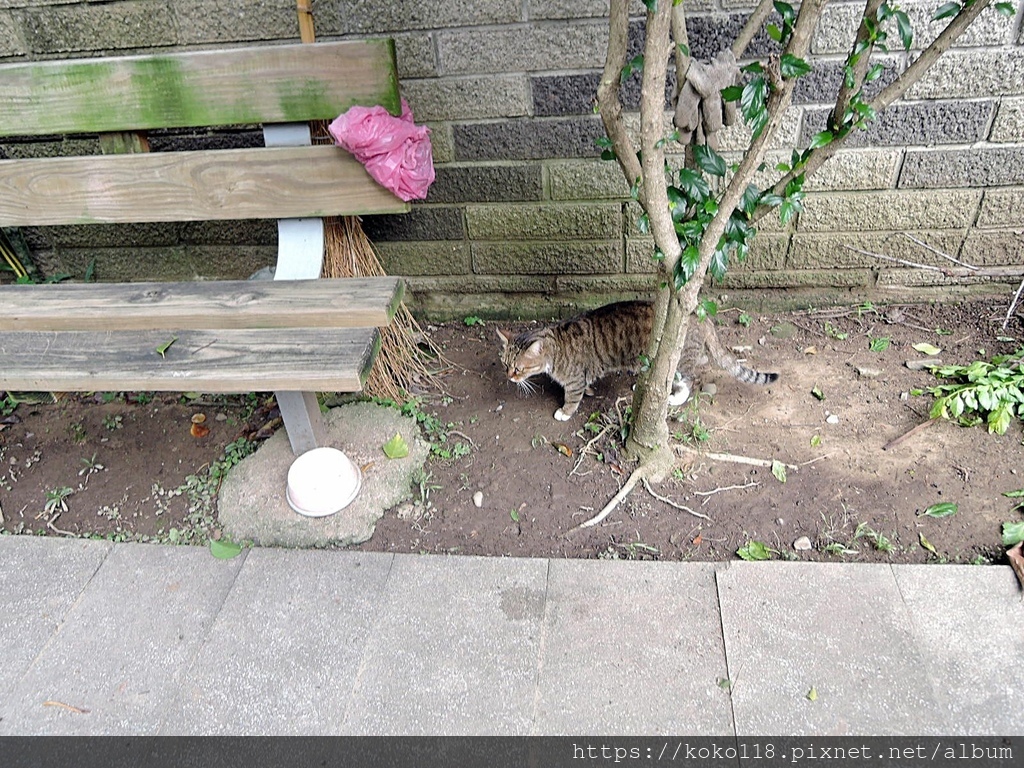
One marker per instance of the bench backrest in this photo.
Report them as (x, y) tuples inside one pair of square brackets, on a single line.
[(270, 84)]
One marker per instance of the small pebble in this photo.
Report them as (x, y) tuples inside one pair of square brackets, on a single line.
[(831, 419), (868, 373), (803, 544), (709, 389), (478, 499), (921, 365), (221, 417)]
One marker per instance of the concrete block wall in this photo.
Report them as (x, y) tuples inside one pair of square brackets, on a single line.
[(524, 218)]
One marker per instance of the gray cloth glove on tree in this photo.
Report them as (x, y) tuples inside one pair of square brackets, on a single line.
[(700, 109)]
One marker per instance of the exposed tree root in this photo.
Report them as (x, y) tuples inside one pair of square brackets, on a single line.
[(732, 458)]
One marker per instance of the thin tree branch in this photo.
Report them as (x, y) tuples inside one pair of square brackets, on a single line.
[(860, 69), (608, 102), (1013, 305), (778, 102), (654, 195), (887, 96), (682, 40), (752, 27), (956, 27)]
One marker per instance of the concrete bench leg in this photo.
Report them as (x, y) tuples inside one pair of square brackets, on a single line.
[(302, 419), (300, 255)]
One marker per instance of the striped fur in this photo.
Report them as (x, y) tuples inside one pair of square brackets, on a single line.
[(575, 353)]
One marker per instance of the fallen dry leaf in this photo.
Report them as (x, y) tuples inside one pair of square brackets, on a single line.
[(68, 707), (198, 418), (697, 540), (198, 430), (1016, 557), (562, 448)]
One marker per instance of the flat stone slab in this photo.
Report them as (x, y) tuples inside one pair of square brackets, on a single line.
[(632, 647), (839, 629), (252, 506), (117, 661), (969, 623), (315, 612), (33, 609), (455, 649)]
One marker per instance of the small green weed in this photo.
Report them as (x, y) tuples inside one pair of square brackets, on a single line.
[(879, 541), (834, 333), (983, 392), (57, 500), (113, 422), (472, 320), (744, 319)]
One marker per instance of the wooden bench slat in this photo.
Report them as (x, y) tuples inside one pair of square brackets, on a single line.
[(227, 361), (259, 183), (329, 303), (268, 84)]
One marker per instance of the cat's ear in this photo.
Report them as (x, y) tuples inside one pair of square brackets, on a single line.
[(535, 348), (505, 336)]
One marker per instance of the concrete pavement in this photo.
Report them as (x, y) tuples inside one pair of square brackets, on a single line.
[(118, 639)]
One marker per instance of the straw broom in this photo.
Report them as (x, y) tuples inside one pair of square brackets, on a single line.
[(399, 369)]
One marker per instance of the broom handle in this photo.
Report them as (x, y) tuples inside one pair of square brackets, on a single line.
[(306, 33)]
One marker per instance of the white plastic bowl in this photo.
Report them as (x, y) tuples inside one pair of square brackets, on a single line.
[(321, 482)]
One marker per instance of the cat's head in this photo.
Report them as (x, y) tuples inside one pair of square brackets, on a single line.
[(523, 356)]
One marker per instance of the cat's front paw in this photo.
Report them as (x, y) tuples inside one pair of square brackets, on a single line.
[(562, 415)]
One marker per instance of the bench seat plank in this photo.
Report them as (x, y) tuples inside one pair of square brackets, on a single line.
[(235, 86), (328, 303), (258, 183), (226, 361)]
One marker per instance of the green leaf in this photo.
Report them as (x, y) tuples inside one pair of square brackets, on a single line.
[(880, 344), (818, 394), (926, 544), (821, 139), (1006, 9), (719, 261), (999, 420), (946, 10), (1015, 494), (754, 550), (732, 93), (514, 514), (694, 185), (224, 549), (905, 29), (779, 470), (636, 64), (927, 349), (753, 104), (812, 695), (815, 441), (792, 66), (396, 447), (686, 266), (943, 509), (1013, 534), (706, 309), (684, 49), (874, 73), (774, 33), (709, 160), (162, 349)]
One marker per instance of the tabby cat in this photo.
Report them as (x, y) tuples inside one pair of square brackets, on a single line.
[(575, 353)]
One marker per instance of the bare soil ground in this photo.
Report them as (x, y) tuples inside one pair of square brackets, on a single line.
[(132, 468)]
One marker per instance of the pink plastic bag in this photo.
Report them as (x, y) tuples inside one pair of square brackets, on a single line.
[(394, 151)]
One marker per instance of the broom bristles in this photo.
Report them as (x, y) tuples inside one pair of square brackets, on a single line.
[(399, 369)]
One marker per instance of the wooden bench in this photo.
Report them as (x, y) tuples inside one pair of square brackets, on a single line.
[(296, 335)]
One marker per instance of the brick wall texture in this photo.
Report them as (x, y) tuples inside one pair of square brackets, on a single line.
[(524, 218)]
